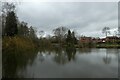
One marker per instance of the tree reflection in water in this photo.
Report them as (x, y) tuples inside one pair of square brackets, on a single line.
[(60, 56), (71, 51), (84, 50), (64, 56), (12, 61), (15, 63), (107, 58)]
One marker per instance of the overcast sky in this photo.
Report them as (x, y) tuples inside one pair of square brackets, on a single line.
[(86, 18)]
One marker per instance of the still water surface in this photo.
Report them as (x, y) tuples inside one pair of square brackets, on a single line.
[(64, 63)]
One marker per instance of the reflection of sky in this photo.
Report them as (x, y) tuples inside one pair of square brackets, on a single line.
[(84, 65), (96, 58)]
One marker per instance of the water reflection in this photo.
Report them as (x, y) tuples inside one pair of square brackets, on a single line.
[(83, 62), (84, 50), (61, 58), (71, 51), (13, 61), (107, 58), (41, 56), (65, 56)]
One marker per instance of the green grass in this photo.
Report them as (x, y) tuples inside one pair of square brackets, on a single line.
[(108, 46)]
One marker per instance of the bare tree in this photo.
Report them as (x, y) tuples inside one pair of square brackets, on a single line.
[(60, 33), (106, 31), (41, 33), (115, 33)]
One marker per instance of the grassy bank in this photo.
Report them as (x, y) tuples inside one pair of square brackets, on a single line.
[(108, 46), (98, 45), (17, 43)]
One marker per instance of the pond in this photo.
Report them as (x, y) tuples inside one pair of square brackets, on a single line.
[(62, 63)]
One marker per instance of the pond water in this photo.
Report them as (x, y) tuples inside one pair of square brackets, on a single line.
[(62, 63)]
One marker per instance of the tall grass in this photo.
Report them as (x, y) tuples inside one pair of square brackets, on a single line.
[(17, 43)]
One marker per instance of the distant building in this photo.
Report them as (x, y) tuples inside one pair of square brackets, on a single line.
[(111, 39), (85, 39), (98, 40)]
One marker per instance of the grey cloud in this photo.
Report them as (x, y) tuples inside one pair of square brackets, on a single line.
[(80, 16)]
